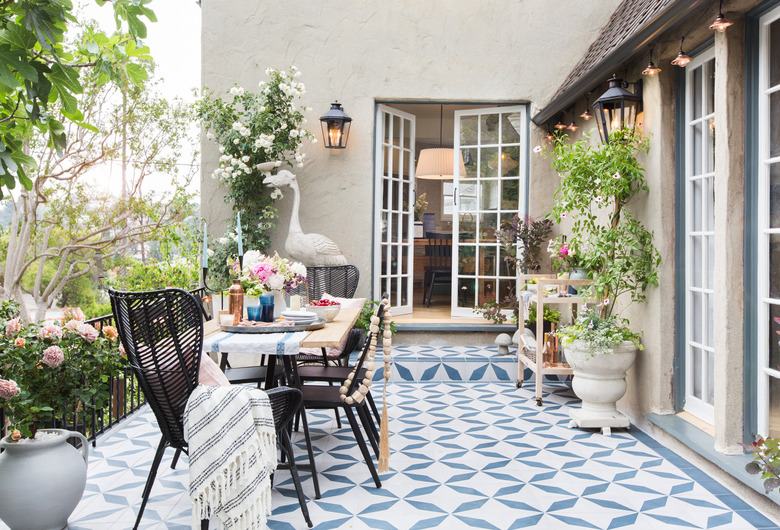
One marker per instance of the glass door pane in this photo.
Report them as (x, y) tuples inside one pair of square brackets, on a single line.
[(393, 206), (493, 145), (699, 231)]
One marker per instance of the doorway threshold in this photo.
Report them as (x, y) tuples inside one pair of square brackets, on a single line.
[(438, 318)]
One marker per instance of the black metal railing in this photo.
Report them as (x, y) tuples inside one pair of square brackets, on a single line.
[(125, 397)]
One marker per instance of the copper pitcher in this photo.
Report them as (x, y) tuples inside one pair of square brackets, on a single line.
[(236, 301)]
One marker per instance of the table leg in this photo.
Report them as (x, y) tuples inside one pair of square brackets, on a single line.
[(270, 380)]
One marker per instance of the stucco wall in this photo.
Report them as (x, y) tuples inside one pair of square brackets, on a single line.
[(358, 52)]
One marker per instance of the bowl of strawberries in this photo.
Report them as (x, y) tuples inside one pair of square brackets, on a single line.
[(327, 309)]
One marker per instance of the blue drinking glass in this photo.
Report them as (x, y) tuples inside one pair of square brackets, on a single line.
[(254, 312), (267, 308)]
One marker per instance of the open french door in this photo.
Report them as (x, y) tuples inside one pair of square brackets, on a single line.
[(393, 203), (494, 146)]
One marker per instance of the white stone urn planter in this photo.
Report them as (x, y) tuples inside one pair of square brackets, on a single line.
[(42, 481), (599, 381)]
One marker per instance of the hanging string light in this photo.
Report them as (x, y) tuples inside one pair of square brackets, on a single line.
[(721, 22), (651, 69), (586, 115), (549, 136), (560, 124), (682, 59)]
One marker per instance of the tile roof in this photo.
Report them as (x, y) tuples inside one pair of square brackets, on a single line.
[(629, 17)]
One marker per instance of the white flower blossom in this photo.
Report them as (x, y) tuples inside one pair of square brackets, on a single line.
[(294, 133), (245, 132), (235, 141), (236, 91), (314, 140), (276, 194), (223, 241), (209, 252), (269, 71), (245, 158), (283, 125), (209, 136), (221, 148), (538, 149), (237, 125)]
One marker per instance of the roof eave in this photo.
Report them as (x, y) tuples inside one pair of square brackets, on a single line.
[(607, 66)]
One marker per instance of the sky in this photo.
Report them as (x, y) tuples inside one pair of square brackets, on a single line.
[(174, 42)]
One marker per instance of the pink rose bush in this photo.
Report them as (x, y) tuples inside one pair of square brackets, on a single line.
[(53, 356), (8, 388), (47, 369), (261, 274)]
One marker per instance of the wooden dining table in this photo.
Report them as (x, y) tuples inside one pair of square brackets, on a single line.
[(282, 345)]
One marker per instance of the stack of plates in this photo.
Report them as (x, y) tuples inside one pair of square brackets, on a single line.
[(300, 317)]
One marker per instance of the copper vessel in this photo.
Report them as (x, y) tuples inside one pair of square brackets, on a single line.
[(236, 301)]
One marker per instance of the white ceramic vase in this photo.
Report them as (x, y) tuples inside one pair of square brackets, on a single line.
[(42, 482), (279, 303), (599, 381)]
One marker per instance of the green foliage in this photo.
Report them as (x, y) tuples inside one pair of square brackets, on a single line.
[(82, 292), (255, 133), (530, 233), (551, 314), (37, 70), (47, 368), (138, 276), (766, 461), (597, 182), (9, 309), (600, 335), (364, 320)]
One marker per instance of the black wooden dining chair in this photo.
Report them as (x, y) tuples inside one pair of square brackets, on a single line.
[(439, 268), (317, 396), (162, 333)]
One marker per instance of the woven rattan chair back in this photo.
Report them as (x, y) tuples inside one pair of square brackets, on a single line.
[(336, 280), (162, 333)]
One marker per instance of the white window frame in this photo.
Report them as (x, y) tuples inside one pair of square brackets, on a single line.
[(699, 407), (764, 231)]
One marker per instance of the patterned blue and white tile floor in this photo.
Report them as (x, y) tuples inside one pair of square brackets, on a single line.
[(464, 455)]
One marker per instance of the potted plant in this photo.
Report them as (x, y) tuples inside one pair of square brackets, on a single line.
[(529, 234), (45, 370), (597, 182)]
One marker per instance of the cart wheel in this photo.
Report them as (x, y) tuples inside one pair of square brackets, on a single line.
[(520, 384), (538, 402)]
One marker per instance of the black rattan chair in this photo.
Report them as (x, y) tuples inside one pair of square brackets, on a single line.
[(336, 280), (162, 333), (329, 397)]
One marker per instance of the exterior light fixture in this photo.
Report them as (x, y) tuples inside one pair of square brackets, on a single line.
[(682, 59), (617, 108), (651, 69), (721, 22), (560, 125), (586, 115), (335, 127), (438, 163), (549, 136), (573, 126)]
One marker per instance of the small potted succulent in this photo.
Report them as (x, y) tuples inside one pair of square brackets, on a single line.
[(597, 182)]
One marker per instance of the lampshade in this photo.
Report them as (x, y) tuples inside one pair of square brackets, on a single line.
[(436, 164), (507, 163)]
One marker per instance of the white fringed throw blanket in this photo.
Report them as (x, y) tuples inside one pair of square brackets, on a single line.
[(232, 446)]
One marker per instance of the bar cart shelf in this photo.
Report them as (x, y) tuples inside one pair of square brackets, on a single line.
[(535, 361)]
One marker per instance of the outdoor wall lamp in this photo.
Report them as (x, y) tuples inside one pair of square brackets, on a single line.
[(721, 22), (617, 108), (335, 127)]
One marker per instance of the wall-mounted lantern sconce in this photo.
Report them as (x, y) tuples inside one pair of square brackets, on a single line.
[(335, 127), (617, 108)]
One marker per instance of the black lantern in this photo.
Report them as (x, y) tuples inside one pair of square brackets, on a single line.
[(335, 127), (617, 108)]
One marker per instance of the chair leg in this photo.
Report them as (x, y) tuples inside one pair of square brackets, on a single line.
[(371, 404), (305, 424), (362, 444), (150, 479), (368, 426), (431, 282), (204, 524), (175, 458), (287, 450)]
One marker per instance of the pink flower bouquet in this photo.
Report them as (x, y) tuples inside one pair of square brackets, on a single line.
[(262, 273)]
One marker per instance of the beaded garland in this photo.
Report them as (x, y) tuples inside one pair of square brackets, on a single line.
[(387, 344), (359, 394)]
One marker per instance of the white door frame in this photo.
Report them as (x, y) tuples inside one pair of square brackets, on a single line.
[(394, 224), (522, 178)]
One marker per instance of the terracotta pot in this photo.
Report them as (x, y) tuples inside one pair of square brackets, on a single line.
[(42, 481)]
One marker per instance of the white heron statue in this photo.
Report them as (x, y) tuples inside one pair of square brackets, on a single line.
[(310, 249)]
